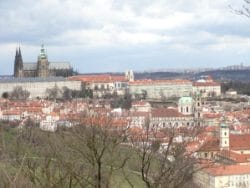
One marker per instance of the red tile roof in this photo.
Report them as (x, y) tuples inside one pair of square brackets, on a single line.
[(152, 82), (202, 84), (139, 114), (236, 157), (239, 142), (140, 103), (166, 112), (102, 78), (211, 145), (228, 170), (236, 142)]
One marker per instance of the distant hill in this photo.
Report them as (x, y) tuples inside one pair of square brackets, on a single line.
[(228, 75), (220, 75), (158, 75)]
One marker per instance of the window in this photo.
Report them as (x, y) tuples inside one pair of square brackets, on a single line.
[(225, 133), (206, 155)]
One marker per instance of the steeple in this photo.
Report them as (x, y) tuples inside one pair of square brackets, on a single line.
[(16, 53), (19, 52), (224, 135), (42, 54), (18, 64), (42, 64)]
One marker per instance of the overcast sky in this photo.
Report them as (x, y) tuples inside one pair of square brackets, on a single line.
[(115, 35)]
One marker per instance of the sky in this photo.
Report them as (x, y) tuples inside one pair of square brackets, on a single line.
[(117, 35)]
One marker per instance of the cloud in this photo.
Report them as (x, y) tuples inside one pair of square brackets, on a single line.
[(137, 27)]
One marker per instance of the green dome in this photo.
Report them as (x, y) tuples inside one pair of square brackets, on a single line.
[(185, 100), (42, 53)]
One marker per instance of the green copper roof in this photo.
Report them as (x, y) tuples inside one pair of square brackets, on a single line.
[(185, 100), (223, 125), (42, 53)]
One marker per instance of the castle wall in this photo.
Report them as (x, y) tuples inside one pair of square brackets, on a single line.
[(37, 87)]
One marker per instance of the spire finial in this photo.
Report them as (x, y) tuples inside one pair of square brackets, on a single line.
[(16, 51), (19, 51), (42, 52)]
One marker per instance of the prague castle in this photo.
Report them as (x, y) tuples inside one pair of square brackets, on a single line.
[(43, 68)]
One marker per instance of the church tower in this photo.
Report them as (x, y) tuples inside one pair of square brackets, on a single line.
[(224, 136), (18, 64), (198, 105), (129, 75), (42, 64)]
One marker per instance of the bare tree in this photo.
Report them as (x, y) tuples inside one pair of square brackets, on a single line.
[(165, 162), (245, 9), (54, 93), (19, 93)]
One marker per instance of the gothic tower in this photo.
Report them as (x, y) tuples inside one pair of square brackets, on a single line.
[(42, 64), (18, 65)]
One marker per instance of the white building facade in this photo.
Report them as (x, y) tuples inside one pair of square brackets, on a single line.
[(158, 89), (37, 86)]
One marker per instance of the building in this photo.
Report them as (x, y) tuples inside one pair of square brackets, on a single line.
[(207, 87), (186, 105), (129, 75), (37, 87), (168, 118), (43, 68), (103, 84), (230, 154), (49, 124), (160, 89), (230, 176), (140, 106)]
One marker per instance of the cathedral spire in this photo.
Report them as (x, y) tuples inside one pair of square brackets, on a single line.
[(19, 52), (18, 65), (16, 51)]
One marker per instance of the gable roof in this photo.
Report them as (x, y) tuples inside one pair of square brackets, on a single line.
[(52, 65), (223, 170), (59, 65), (240, 142), (30, 66)]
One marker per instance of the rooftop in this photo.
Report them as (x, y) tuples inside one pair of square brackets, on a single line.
[(223, 170), (102, 78), (152, 82)]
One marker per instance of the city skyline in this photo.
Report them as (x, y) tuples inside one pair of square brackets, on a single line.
[(113, 36)]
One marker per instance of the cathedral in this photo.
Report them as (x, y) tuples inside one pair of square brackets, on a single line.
[(43, 68)]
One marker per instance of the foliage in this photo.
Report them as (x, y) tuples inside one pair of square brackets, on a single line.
[(54, 93), (239, 86), (92, 154), (121, 101), (19, 93)]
